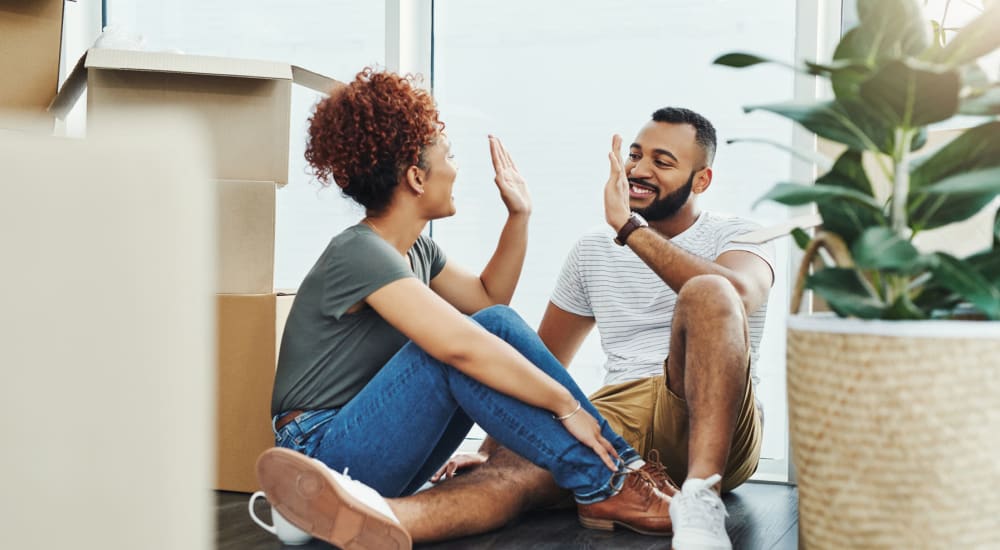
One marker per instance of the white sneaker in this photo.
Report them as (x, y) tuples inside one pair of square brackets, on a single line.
[(699, 517), (328, 505)]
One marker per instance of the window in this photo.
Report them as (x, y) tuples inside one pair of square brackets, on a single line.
[(555, 91)]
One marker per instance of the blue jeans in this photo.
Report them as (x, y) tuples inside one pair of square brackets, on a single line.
[(411, 417)]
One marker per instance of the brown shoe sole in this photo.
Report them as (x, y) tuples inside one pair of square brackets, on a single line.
[(311, 500), (609, 525)]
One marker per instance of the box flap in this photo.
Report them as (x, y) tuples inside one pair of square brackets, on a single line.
[(314, 81), (126, 60), (71, 89), (131, 60)]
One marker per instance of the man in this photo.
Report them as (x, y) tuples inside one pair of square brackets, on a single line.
[(680, 309)]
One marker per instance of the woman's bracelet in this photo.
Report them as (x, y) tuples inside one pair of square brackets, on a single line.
[(569, 414)]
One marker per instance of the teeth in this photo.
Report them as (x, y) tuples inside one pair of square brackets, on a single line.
[(639, 190)]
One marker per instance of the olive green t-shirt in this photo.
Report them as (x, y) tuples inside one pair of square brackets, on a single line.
[(328, 355)]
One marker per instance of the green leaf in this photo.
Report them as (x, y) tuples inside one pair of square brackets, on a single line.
[(854, 48), (996, 233), (845, 121), (898, 27), (976, 39), (740, 60), (912, 96), (880, 248), (975, 149), (794, 194), (987, 264), (958, 276), (843, 291), (919, 140), (903, 309), (802, 239), (983, 102), (848, 172), (934, 296), (837, 66), (953, 199), (847, 218)]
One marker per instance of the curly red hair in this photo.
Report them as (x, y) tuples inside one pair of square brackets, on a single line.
[(367, 133)]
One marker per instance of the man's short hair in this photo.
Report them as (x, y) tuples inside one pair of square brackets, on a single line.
[(704, 131)]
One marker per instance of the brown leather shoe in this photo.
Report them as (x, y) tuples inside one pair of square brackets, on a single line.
[(328, 505), (639, 506), (658, 472)]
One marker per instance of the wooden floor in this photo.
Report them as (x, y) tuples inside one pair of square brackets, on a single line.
[(761, 517)]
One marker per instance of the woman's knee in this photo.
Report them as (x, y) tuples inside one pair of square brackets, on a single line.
[(497, 316)]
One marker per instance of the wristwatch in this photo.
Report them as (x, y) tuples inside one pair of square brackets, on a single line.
[(635, 221)]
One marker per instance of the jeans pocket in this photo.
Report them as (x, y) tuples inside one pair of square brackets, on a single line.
[(285, 438), (299, 433)]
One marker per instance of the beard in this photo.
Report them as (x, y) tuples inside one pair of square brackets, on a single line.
[(666, 207)]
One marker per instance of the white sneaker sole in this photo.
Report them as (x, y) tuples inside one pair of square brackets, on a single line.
[(698, 541), (309, 498)]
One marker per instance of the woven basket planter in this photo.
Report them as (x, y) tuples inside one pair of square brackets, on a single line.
[(895, 432)]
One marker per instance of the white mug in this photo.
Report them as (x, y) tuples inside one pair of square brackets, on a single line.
[(285, 531)]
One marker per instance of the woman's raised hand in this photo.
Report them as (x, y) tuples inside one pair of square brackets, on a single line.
[(513, 189)]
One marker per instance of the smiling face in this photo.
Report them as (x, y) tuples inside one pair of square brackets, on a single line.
[(665, 165)]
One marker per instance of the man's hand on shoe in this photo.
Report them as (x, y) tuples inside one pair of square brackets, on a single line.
[(460, 461)]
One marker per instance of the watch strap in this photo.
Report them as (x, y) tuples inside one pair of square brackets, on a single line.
[(634, 222)]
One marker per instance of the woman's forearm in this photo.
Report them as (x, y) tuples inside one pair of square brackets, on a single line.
[(502, 272), (489, 360)]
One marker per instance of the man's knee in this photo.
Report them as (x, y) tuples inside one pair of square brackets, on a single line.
[(710, 296)]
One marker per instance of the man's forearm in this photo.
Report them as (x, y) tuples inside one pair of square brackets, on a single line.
[(674, 265)]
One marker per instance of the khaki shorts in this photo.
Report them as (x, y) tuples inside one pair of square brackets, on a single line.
[(650, 416)]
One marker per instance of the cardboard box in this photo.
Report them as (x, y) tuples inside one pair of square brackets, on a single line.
[(246, 358), (31, 35), (245, 237), (249, 335), (244, 103)]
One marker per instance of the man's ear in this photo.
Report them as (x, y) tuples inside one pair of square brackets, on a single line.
[(415, 179), (702, 181)]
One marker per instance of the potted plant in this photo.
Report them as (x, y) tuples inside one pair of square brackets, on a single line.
[(894, 402)]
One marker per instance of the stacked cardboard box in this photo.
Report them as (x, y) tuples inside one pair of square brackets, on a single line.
[(245, 108), (30, 44)]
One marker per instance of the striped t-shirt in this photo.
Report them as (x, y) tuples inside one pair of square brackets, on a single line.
[(633, 307)]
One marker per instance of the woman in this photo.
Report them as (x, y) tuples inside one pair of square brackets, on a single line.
[(380, 373)]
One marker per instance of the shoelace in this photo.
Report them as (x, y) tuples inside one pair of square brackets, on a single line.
[(657, 470), (701, 504), (640, 479)]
